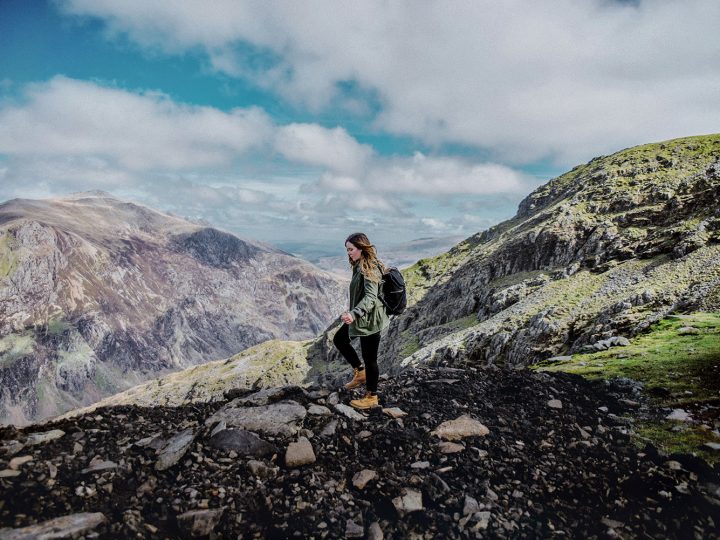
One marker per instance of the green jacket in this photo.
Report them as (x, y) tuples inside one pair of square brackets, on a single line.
[(369, 312)]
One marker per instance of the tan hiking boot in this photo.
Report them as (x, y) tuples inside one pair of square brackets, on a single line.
[(367, 402), (358, 379)]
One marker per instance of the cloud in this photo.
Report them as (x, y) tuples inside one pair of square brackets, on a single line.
[(316, 145), (525, 80), (421, 175), (138, 131)]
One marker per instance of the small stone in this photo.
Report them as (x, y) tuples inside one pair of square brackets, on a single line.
[(491, 495), (333, 399), (603, 409), (9, 473), (329, 429), (349, 412), (483, 519), (673, 465), (471, 506), (97, 465), (712, 446), (70, 526), (200, 522), (319, 410), (16, 463), (611, 523), (361, 479), (299, 453), (53, 470), (43, 437), (353, 530), (394, 412), (682, 487), (420, 465), (461, 427), (679, 415), (410, 500), (447, 447), (630, 403), (259, 469), (175, 449), (688, 331), (375, 532), (364, 434), (555, 404)]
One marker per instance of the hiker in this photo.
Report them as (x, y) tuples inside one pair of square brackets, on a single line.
[(365, 319)]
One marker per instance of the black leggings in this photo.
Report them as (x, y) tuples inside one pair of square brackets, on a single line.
[(369, 346)]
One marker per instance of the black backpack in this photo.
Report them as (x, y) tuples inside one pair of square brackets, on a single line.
[(393, 295)]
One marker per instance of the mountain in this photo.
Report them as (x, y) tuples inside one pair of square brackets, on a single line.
[(99, 294), (400, 255), (592, 258)]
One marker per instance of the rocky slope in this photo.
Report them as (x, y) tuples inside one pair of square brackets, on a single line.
[(455, 454), (97, 294), (599, 252)]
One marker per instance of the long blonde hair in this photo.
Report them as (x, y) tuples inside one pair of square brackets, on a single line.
[(368, 260)]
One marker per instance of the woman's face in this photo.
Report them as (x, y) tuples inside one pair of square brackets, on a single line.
[(353, 252)]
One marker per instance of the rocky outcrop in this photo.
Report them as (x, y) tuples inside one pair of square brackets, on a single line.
[(532, 453), (97, 295), (597, 254)]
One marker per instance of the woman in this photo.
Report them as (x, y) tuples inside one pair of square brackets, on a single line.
[(365, 319)]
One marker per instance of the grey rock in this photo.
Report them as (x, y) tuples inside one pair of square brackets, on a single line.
[(375, 532), (447, 447), (688, 331), (299, 453), (679, 415), (16, 463), (554, 404), (319, 410), (200, 522), (98, 465), (243, 442), (712, 446), (361, 479), (44, 437), (349, 412), (70, 526), (259, 469), (275, 419), (353, 530), (329, 429), (394, 412), (471, 506), (410, 500), (175, 449), (461, 427), (420, 465)]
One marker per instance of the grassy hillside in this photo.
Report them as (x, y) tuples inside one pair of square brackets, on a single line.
[(678, 362)]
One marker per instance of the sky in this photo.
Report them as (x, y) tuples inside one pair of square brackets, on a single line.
[(298, 123)]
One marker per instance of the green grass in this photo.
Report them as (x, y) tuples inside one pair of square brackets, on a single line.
[(661, 358), (677, 370)]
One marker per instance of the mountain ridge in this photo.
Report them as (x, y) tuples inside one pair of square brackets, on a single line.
[(98, 294)]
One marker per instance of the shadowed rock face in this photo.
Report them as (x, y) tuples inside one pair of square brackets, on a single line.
[(97, 294)]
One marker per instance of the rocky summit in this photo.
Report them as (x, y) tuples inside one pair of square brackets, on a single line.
[(451, 453)]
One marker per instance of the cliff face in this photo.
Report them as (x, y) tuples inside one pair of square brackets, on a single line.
[(97, 294), (601, 251)]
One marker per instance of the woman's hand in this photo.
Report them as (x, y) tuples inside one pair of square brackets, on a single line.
[(347, 317)]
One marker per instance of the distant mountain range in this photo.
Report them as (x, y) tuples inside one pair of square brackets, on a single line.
[(400, 255), (99, 294)]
